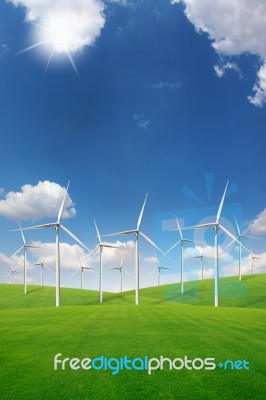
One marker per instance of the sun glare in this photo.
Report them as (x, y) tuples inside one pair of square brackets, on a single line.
[(60, 33)]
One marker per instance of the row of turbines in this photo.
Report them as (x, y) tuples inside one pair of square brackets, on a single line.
[(57, 225)]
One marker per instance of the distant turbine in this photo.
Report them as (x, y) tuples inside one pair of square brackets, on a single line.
[(137, 232), (181, 241), (217, 225), (100, 246), (42, 265), (239, 237), (159, 269), (57, 225), (12, 272), (24, 248), (254, 258), (81, 269), (202, 256), (121, 270)]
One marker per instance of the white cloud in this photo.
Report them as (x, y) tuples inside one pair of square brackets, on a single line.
[(166, 85), (36, 202), (234, 27), (142, 121), (150, 260), (258, 225), (77, 22), (259, 88), (221, 69)]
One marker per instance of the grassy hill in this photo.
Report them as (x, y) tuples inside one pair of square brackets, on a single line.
[(33, 331)]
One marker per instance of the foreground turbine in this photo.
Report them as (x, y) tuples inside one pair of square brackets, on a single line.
[(57, 225), (137, 232)]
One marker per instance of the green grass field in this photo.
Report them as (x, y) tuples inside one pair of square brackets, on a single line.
[(33, 331)]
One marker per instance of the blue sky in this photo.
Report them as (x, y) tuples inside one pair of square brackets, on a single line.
[(158, 102)]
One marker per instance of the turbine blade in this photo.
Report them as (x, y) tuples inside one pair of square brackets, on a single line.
[(74, 237), (23, 237), (36, 227), (74, 273), (237, 227), (93, 251), (229, 244), (251, 237), (141, 213), (156, 269), (233, 237), (179, 229), (221, 204), (111, 246), (120, 233), (124, 270), (200, 226), (121, 264), (49, 269), (61, 209), (98, 234), (16, 252), (151, 242), (172, 248), (157, 259)]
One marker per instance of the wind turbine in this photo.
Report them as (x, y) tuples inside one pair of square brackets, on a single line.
[(217, 225), (181, 241), (201, 260), (81, 269), (100, 246), (254, 258), (121, 270), (24, 248), (42, 265), (159, 269), (57, 225), (137, 232), (12, 272), (239, 237)]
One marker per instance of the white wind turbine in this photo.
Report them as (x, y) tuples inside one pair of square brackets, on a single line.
[(42, 265), (81, 269), (202, 256), (121, 269), (181, 241), (239, 237), (159, 268), (217, 225), (12, 272), (253, 257), (58, 225), (24, 248), (137, 232), (100, 246)]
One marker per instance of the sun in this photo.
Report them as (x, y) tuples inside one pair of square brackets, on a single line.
[(60, 33)]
